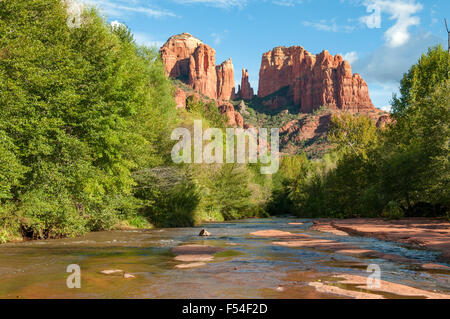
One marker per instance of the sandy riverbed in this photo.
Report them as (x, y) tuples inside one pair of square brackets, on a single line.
[(433, 234)]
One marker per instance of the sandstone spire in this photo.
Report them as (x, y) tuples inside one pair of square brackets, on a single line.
[(245, 91), (225, 81)]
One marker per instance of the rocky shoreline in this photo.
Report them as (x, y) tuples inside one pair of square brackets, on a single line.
[(433, 234), (424, 233)]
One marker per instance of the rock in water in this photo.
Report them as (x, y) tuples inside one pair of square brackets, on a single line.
[(204, 233), (196, 250), (112, 272), (189, 266)]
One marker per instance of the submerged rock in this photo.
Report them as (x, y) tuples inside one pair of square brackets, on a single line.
[(435, 267), (204, 233), (112, 272), (277, 233), (196, 250), (192, 265), (389, 287), (432, 234), (329, 289), (194, 258)]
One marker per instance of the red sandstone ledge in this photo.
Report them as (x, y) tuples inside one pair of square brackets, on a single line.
[(433, 234)]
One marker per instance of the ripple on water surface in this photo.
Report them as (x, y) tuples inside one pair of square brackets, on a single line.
[(244, 266)]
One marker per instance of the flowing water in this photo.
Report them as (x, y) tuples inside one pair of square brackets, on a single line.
[(249, 267)]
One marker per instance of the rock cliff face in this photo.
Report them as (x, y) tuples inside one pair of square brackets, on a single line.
[(225, 81), (202, 71), (288, 76), (245, 90), (234, 118), (180, 98), (293, 75), (189, 60), (311, 130), (176, 55)]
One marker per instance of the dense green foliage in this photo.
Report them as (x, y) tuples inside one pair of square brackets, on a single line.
[(81, 108), (400, 170), (86, 117), (85, 122), (202, 192)]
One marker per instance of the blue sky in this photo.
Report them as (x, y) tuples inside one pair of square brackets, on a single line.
[(381, 38)]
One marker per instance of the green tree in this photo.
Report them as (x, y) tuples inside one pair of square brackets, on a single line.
[(229, 192), (415, 154), (353, 134), (81, 109), (421, 80)]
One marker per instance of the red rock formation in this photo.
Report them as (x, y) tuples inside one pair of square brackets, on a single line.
[(176, 54), (180, 98), (245, 90), (202, 71), (235, 118), (384, 121), (191, 61), (238, 119), (305, 128), (312, 81), (225, 81)]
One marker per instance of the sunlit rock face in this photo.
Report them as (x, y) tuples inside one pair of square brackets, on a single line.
[(189, 60), (225, 81), (311, 81), (245, 90), (234, 118)]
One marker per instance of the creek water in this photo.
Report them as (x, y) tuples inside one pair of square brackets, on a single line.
[(249, 267)]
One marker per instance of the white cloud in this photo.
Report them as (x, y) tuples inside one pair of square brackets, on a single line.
[(351, 57), (287, 3), (216, 3), (388, 64), (118, 8), (147, 40), (322, 25), (384, 68), (381, 94), (403, 11), (218, 37), (117, 24), (373, 20), (330, 26)]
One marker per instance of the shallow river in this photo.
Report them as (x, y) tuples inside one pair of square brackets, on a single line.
[(249, 267)]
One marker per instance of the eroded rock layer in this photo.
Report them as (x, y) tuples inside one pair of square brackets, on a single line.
[(245, 90), (311, 81), (225, 81), (189, 60)]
